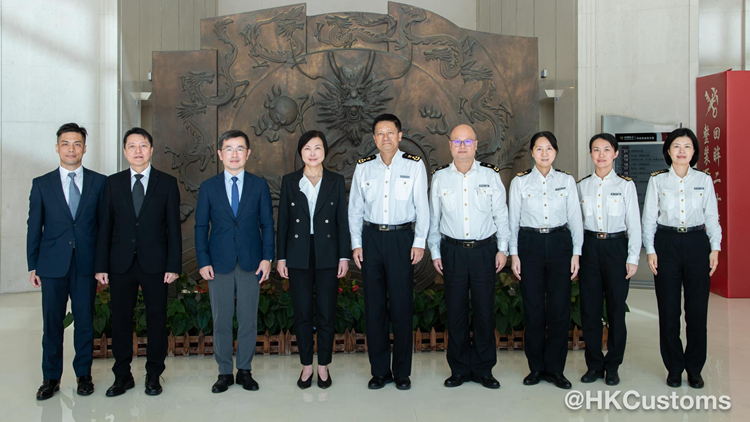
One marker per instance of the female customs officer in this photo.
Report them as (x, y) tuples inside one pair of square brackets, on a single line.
[(546, 236), (611, 249), (682, 237), (313, 251)]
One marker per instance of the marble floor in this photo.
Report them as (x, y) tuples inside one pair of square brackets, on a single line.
[(187, 381)]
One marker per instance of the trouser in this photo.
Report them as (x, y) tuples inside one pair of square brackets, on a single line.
[(55, 292), (469, 275), (388, 278), (682, 264), (124, 293), (314, 292), (222, 291), (545, 290), (602, 274)]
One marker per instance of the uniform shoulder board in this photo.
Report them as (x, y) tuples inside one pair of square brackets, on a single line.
[(707, 171), (491, 166), (366, 159), (523, 173), (656, 173), (629, 179), (566, 172), (411, 157), (440, 168), (583, 178)]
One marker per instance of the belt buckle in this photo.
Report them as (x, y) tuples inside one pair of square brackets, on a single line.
[(468, 245), (682, 229), (601, 235), (383, 227), (544, 230)]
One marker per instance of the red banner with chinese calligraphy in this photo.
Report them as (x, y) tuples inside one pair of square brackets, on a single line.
[(723, 106)]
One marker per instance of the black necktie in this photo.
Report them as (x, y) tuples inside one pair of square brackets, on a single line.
[(138, 194)]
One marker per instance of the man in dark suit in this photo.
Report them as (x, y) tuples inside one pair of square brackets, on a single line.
[(236, 259), (60, 242), (139, 244)]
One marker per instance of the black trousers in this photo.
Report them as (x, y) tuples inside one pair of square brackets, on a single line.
[(470, 278), (388, 278), (545, 290), (682, 264), (314, 292), (124, 291), (55, 292), (602, 274)]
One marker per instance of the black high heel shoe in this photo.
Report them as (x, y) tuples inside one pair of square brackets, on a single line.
[(324, 384), (305, 384)]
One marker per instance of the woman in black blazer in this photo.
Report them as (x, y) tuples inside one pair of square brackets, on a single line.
[(313, 200)]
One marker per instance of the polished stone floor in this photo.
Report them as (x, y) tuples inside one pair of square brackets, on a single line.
[(187, 381)]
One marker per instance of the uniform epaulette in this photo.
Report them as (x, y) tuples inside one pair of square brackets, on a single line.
[(566, 172), (523, 173), (583, 178), (440, 168), (491, 166), (629, 179), (656, 173), (707, 171), (411, 157), (366, 159)]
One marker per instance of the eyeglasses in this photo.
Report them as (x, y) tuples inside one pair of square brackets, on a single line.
[(457, 143), (238, 150)]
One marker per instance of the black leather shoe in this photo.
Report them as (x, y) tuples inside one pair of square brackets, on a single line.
[(487, 381), (674, 380), (85, 385), (245, 379), (222, 384), (591, 376), (455, 380), (533, 378), (612, 378), (47, 389), (695, 381), (121, 385), (376, 383), (558, 379), (324, 384), (306, 383), (153, 386), (403, 383)]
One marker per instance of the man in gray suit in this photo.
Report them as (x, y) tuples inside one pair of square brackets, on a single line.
[(236, 206)]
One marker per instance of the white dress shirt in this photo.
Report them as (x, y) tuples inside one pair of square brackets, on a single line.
[(228, 182), (144, 180), (311, 192), (393, 195), (537, 201), (468, 206), (610, 205), (680, 202), (65, 179)]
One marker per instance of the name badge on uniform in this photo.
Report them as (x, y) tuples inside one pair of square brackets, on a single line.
[(559, 189), (699, 188), (615, 194), (405, 176), (484, 186)]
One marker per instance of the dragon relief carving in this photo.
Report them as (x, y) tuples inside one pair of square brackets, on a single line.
[(287, 25), (284, 112), (348, 28)]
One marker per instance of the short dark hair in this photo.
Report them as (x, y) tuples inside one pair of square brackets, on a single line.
[(679, 133), (72, 127), (233, 134), (138, 131), (543, 134), (386, 118), (607, 137), (310, 135)]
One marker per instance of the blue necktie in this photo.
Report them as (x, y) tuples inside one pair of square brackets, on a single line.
[(235, 196), (74, 195)]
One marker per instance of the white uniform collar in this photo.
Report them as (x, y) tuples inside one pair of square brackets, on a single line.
[(473, 168)]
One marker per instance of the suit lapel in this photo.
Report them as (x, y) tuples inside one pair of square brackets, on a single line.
[(300, 197), (57, 187), (125, 186), (87, 179), (325, 190), (246, 187), (153, 180), (222, 192)]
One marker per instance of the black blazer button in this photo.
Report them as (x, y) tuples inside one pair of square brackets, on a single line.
[(137, 224), (133, 240), (329, 236), (236, 223)]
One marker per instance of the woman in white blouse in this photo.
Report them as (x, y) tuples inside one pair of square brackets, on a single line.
[(682, 237)]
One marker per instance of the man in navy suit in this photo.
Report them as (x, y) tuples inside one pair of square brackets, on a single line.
[(236, 259), (60, 250)]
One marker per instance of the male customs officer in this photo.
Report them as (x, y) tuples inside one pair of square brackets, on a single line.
[(60, 245), (468, 239), (388, 194)]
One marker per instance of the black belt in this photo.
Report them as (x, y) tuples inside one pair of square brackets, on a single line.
[(388, 227), (469, 244), (544, 230), (600, 235), (681, 229)]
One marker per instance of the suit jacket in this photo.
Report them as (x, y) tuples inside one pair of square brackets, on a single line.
[(234, 239), (330, 222), (53, 232), (155, 234)]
